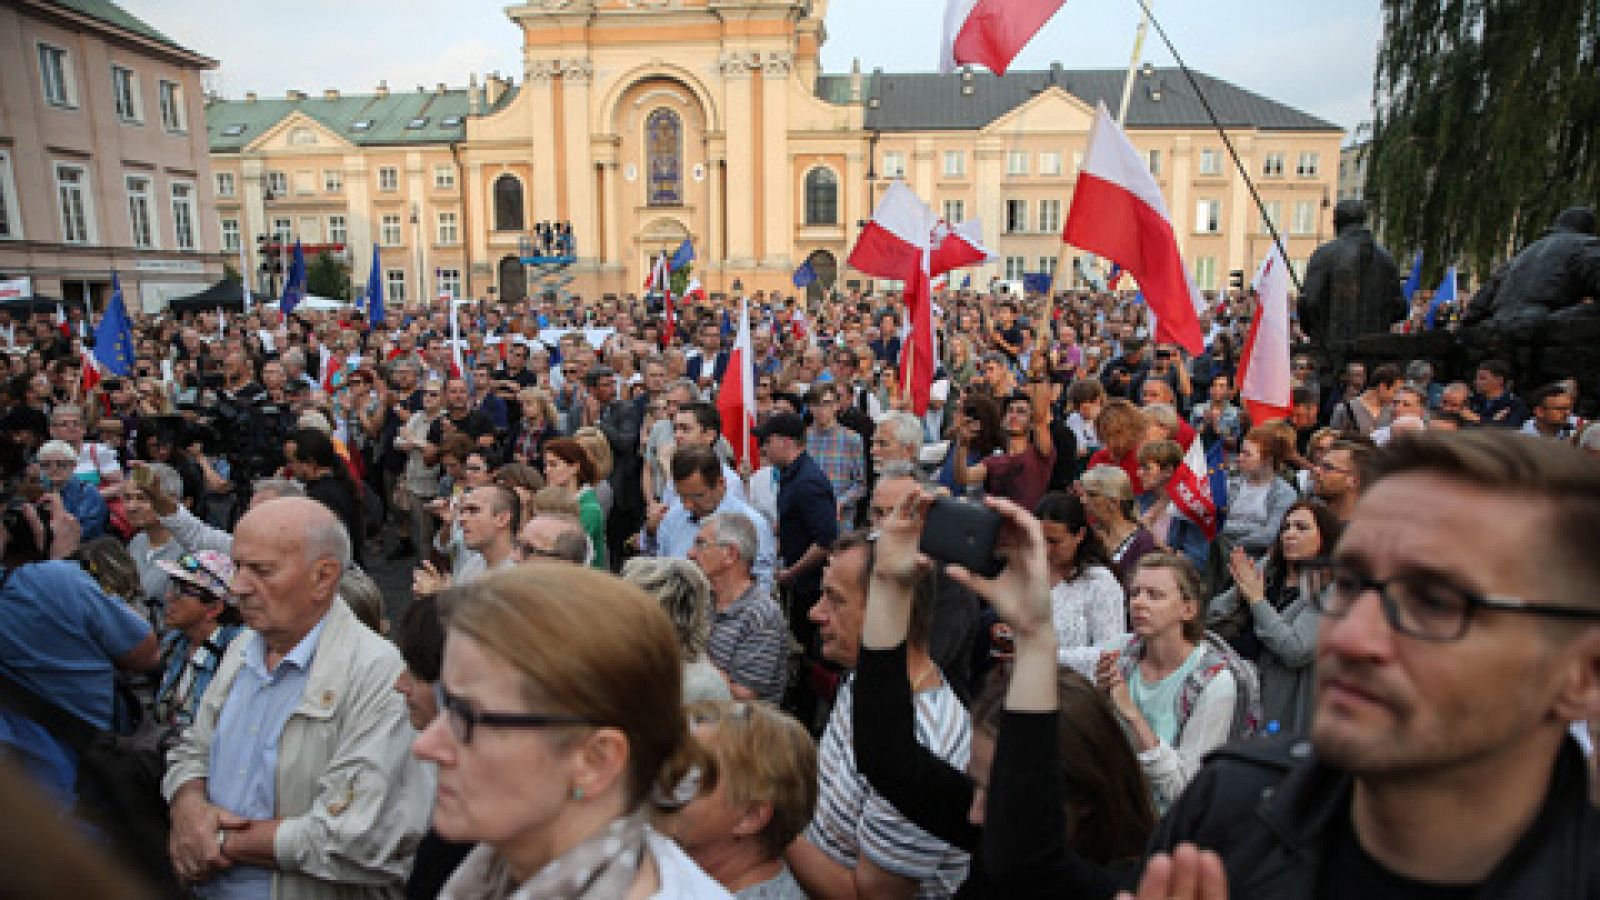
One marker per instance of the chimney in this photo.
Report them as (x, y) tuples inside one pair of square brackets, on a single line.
[(1056, 74), (249, 96), (383, 88), (494, 89), (422, 89), (474, 95), (1148, 70), (297, 96), (441, 88), (330, 94), (855, 80)]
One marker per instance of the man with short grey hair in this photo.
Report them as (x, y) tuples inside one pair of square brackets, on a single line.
[(296, 778), (897, 437), (554, 536), (749, 641)]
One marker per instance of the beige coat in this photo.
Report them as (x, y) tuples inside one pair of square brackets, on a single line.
[(352, 799)]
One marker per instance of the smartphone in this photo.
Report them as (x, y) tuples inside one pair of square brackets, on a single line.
[(964, 533)]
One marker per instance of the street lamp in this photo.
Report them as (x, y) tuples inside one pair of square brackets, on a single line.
[(416, 239)]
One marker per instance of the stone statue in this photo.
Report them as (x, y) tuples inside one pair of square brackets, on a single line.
[(1352, 286), (1551, 276)]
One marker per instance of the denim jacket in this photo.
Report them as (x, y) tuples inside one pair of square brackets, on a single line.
[(177, 654)]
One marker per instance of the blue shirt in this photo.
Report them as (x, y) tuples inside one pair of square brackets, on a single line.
[(243, 769), (675, 535)]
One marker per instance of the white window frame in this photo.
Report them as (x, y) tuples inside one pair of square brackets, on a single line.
[(1309, 164), (85, 198), (332, 181), (1210, 162), (1016, 162), (278, 183), (12, 213), (227, 185), (448, 280), (142, 203), (1205, 273), (282, 230), (955, 211), (954, 164), (125, 95), (59, 87), (447, 230), (1208, 216), (1050, 215), (1050, 162), (444, 178), (1152, 160), (388, 179), (1016, 267), (1272, 165), (894, 164), (1273, 215), (174, 117), (185, 211), (1047, 265), (1018, 224), (230, 236), (394, 286), (386, 236), (338, 230), (1305, 218)]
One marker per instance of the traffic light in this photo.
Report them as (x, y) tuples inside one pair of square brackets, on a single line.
[(1236, 280)]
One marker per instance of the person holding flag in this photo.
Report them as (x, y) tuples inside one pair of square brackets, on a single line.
[(1446, 294)]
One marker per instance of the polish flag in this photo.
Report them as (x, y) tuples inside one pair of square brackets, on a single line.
[(958, 246), (91, 370), (1118, 212), (916, 350), (1265, 385), (892, 243), (991, 32), (1190, 489), (694, 291), (736, 399)]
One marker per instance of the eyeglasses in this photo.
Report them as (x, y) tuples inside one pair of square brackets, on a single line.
[(1323, 465), (1424, 606), (463, 719), (56, 464), (194, 591)]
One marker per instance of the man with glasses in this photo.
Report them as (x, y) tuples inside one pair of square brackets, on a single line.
[(1460, 637), (1337, 478), (57, 462), (554, 536), (749, 640), (296, 778), (1552, 413), (701, 486)]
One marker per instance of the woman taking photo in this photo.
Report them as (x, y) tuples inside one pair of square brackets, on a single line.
[(1086, 601), (1180, 691), (561, 725), (1113, 513), (1052, 796), (568, 468), (1257, 498), (1269, 615)]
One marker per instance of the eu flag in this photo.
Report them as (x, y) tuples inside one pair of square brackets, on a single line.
[(375, 313), (1036, 282), (1445, 294), (683, 256), (805, 276), (294, 290), (1414, 280), (113, 337)]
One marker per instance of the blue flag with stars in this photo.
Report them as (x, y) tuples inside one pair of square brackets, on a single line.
[(805, 276), (375, 311), (294, 290), (683, 256), (113, 337)]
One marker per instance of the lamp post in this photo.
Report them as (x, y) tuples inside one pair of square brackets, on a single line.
[(416, 238)]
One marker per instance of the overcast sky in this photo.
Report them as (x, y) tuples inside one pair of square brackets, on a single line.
[(1312, 54)]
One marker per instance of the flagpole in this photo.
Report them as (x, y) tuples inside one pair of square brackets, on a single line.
[(1133, 65), (1272, 227)]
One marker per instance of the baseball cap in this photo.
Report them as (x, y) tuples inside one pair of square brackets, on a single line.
[(208, 570), (787, 425)]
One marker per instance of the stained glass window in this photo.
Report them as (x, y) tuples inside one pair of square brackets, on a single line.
[(663, 136)]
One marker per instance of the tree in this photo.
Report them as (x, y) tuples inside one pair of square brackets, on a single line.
[(1485, 124), (328, 277), (679, 280), (229, 273)]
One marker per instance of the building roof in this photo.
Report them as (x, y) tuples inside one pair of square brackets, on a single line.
[(1162, 98), (115, 16), (440, 117)]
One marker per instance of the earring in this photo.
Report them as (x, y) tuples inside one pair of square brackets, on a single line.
[(577, 793)]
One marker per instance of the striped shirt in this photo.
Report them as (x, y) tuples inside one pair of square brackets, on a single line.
[(750, 642), (852, 821)]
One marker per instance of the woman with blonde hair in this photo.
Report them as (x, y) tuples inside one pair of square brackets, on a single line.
[(593, 441), (536, 425), (685, 594), (764, 796), (1113, 514), (561, 726)]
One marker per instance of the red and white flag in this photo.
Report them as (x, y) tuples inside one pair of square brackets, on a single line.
[(694, 291), (1118, 212), (991, 32), (736, 399), (91, 370), (1265, 384), (1190, 489), (958, 246), (893, 243)]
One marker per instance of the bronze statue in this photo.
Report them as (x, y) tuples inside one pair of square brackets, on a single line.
[(1550, 277), (1352, 286)]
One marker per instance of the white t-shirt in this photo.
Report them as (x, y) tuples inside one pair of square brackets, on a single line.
[(97, 463)]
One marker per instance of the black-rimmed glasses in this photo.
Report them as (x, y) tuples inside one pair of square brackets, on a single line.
[(463, 719), (1424, 606)]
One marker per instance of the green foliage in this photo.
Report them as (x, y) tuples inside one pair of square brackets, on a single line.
[(1485, 126), (680, 280), (328, 277), (229, 273)]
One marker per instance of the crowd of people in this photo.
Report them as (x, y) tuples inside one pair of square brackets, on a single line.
[(631, 663)]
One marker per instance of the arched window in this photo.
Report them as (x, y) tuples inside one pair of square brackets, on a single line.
[(822, 197), (508, 203), (663, 147)]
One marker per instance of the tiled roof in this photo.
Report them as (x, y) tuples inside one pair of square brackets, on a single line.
[(231, 125), (1163, 98), (114, 15)]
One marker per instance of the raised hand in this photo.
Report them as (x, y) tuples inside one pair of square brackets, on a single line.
[(1021, 592), (1188, 874), (896, 557)]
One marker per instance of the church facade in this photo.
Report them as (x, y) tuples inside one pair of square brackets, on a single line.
[(645, 122)]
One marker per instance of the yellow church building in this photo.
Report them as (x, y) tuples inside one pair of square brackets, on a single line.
[(644, 122)]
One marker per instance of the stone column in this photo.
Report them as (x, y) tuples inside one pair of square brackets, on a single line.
[(739, 115), (542, 192), (778, 192)]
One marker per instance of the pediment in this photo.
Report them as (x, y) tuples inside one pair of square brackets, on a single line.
[(299, 133), (1053, 109)]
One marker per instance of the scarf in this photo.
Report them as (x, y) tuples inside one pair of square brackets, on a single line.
[(600, 867)]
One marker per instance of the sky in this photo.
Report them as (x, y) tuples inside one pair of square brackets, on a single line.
[(1314, 55)]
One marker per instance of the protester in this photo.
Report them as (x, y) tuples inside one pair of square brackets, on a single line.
[(203, 620), (749, 639), (1087, 605), (1109, 501), (685, 594), (569, 469), (1258, 498)]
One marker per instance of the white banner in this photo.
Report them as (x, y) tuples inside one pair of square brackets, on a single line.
[(16, 287)]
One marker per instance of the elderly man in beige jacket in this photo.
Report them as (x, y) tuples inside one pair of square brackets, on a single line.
[(296, 779)]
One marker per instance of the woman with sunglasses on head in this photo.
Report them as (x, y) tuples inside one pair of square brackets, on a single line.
[(561, 727), (203, 622)]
